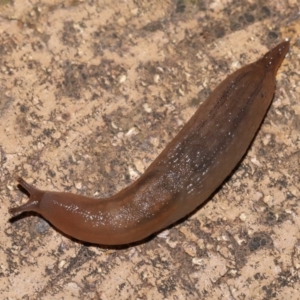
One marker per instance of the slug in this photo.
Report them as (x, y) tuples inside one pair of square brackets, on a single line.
[(183, 176)]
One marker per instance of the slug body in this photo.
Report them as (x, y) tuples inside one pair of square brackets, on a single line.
[(183, 176)]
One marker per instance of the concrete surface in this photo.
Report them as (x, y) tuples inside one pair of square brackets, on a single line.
[(91, 92)]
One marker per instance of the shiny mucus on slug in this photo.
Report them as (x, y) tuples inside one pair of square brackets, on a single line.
[(183, 176)]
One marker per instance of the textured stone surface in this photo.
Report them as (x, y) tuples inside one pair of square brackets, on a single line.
[(91, 92)]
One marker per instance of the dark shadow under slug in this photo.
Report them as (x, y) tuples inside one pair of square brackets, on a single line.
[(183, 176)]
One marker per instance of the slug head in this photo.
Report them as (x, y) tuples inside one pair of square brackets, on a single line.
[(34, 201)]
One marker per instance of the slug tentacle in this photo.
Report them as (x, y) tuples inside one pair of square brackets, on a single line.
[(183, 176), (36, 197)]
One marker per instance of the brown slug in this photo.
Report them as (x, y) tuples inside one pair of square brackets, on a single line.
[(183, 176)]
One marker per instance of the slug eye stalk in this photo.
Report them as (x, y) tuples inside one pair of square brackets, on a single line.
[(36, 196)]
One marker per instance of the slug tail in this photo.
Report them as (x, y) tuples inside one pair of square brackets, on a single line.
[(35, 198), (273, 59)]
